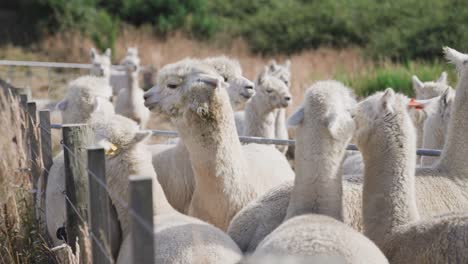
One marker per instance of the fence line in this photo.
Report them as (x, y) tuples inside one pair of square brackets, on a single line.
[(65, 65)]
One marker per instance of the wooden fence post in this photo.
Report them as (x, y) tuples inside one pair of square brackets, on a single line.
[(47, 160), (34, 148), (76, 138), (99, 209), (141, 219)]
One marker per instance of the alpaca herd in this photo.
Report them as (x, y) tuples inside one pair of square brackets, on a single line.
[(216, 200)]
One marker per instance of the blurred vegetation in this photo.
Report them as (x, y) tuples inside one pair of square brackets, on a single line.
[(396, 76), (396, 29)]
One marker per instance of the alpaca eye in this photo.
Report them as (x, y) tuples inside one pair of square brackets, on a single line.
[(171, 86), (225, 79)]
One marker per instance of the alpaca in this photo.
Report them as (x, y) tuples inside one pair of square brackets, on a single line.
[(312, 224), (427, 90), (436, 124), (119, 79), (386, 136), (101, 64), (252, 224), (172, 163), (129, 102), (271, 94), (240, 89), (87, 100), (191, 94), (178, 238)]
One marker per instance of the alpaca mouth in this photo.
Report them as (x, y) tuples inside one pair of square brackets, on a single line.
[(246, 96)]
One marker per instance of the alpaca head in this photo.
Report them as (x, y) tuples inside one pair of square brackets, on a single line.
[(118, 134), (381, 115), (427, 90), (131, 60), (101, 63), (240, 89), (187, 85), (281, 71), (327, 106), (85, 96), (274, 91)]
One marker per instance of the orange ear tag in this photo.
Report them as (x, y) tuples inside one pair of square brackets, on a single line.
[(414, 104), (112, 151)]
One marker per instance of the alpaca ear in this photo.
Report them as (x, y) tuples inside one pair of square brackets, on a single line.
[(297, 117), (209, 80), (387, 101), (263, 74), (108, 52), (443, 78), (455, 57), (62, 105), (417, 84), (141, 136), (93, 53), (287, 64), (272, 66)]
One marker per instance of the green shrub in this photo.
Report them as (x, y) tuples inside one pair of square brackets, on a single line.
[(397, 76)]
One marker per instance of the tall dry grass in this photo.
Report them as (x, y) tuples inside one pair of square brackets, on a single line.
[(20, 239)]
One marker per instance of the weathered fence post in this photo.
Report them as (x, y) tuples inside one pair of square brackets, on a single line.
[(76, 138), (141, 219), (99, 209), (47, 160), (34, 147)]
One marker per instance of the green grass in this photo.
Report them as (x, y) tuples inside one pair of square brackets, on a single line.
[(396, 76)]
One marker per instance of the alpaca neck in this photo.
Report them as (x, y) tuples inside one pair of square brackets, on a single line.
[(134, 97), (215, 151), (456, 147), (318, 185), (389, 199), (434, 138), (259, 118), (281, 130)]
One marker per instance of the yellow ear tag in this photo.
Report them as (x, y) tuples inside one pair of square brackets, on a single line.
[(113, 149)]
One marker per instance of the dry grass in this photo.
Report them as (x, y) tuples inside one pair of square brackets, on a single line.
[(20, 240)]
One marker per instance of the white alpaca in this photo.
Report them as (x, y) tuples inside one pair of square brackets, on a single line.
[(101, 64), (129, 102), (312, 225), (428, 90), (227, 175), (172, 163), (260, 112), (261, 217), (240, 89), (386, 136), (119, 79), (436, 125), (178, 238), (87, 98)]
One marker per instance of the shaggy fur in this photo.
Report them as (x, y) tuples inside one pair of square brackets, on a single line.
[(258, 219), (386, 136), (191, 94), (319, 235), (129, 102)]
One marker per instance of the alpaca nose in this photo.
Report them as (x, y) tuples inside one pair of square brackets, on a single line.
[(249, 87), (146, 96), (287, 98)]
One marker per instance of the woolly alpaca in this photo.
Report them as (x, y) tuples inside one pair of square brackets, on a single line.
[(240, 89), (283, 72), (324, 125), (177, 236), (86, 99), (436, 124), (101, 64), (119, 79), (129, 102), (260, 112), (386, 136), (172, 163), (227, 175), (428, 90), (261, 217)]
